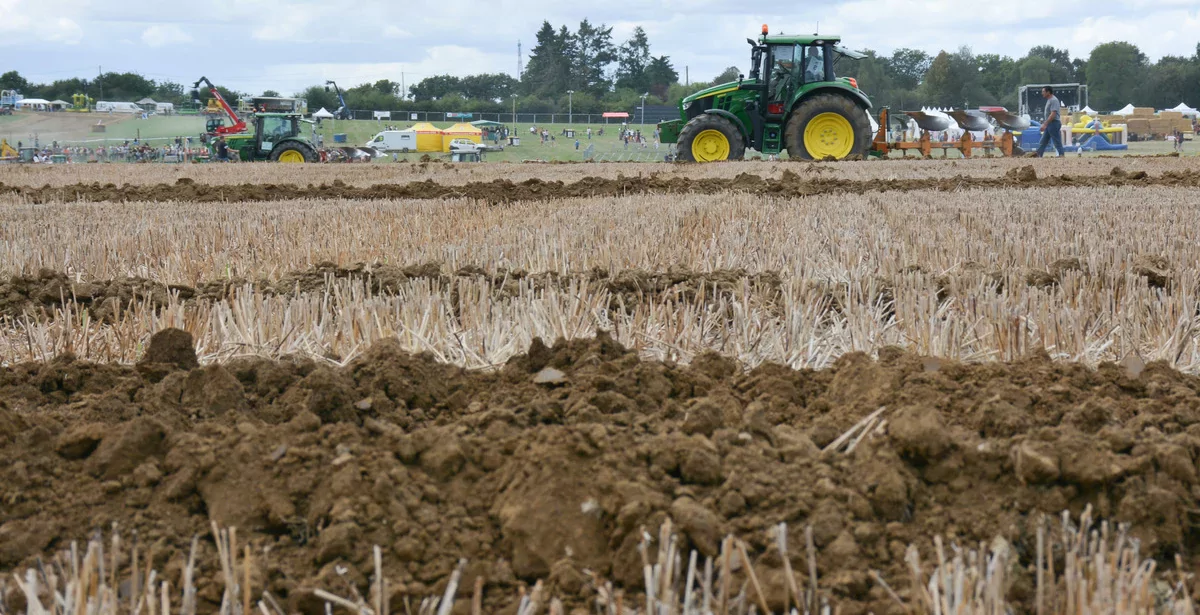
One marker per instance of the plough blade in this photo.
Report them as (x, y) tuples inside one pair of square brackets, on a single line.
[(972, 120), (926, 121), (1009, 120)]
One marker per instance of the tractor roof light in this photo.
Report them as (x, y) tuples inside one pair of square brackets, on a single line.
[(853, 82), (764, 29)]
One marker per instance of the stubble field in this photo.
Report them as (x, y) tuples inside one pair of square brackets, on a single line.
[(532, 366)]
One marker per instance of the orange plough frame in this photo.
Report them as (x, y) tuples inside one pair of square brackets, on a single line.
[(966, 145)]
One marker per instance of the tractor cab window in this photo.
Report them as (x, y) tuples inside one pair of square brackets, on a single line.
[(784, 62), (277, 128), (814, 64)]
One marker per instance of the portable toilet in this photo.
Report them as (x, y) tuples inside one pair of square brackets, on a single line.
[(429, 137), (461, 131)]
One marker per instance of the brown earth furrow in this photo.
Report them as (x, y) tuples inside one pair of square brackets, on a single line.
[(503, 191), (103, 299), (542, 474)]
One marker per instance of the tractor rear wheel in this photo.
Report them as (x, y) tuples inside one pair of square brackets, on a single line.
[(827, 126), (710, 138), (293, 151)]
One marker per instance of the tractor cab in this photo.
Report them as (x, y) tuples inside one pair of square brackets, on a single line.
[(213, 124)]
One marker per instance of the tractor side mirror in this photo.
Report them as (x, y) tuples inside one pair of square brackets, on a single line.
[(752, 43)]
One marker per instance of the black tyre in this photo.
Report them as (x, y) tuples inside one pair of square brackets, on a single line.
[(293, 151), (710, 138), (828, 126)]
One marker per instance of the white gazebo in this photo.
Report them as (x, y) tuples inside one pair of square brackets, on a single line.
[(1186, 110), (1126, 110), (322, 114), (40, 104), (1088, 110)]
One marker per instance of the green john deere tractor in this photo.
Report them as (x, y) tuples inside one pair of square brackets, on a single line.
[(792, 101), (277, 137)]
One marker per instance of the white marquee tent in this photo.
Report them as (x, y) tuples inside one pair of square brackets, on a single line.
[(323, 114), (36, 103), (1126, 110), (1088, 110), (1186, 110)]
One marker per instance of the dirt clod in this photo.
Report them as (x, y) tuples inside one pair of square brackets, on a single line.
[(171, 347)]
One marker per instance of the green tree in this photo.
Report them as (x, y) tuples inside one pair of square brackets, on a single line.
[(660, 75), (1000, 76), (633, 59), (1116, 73), (1036, 69), (729, 74), (489, 86), (12, 80), (909, 67), (318, 97), (1171, 80), (434, 88), (1060, 59), (270, 94), (594, 54), (126, 86), (548, 72), (387, 87), (941, 86)]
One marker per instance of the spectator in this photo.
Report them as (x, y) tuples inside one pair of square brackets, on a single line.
[(576, 143), (589, 133), (222, 149), (1052, 125)]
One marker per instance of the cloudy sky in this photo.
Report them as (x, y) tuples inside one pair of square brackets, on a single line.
[(285, 45)]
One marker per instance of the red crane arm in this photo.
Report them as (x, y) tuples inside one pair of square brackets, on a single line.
[(239, 125)]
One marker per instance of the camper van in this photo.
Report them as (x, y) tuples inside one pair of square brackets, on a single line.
[(394, 141), (117, 107)]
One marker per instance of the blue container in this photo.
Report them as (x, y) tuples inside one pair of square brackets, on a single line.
[(339, 138)]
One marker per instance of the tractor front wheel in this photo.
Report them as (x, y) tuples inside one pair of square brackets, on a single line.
[(710, 138), (293, 151), (827, 126)]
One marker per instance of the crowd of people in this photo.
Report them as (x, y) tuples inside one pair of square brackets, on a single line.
[(179, 150)]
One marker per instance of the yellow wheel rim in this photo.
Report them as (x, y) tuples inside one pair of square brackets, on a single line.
[(829, 134), (710, 146), (291, 156)]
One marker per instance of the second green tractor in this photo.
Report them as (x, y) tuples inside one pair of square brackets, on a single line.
[(791, 101)]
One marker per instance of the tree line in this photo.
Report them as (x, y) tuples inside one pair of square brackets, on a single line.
[(605, 76), (1116, 74)]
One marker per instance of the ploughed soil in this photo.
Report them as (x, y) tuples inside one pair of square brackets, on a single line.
[(789, 184), (48, 290), (556, 462)]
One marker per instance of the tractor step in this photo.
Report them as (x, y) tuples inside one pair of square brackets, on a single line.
[(772, 138)]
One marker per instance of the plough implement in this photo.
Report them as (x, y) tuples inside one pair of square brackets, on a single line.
[(993, 143)]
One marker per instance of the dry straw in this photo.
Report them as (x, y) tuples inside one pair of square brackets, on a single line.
[(947, 275), (1103, 573)]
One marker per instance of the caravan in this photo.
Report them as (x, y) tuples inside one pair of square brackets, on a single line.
[(117, 107)]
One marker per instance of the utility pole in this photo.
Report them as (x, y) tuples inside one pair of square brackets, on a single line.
[(520, 63), (644, 97), (571, 107), (687, 76), (403, 90), (100, 81)]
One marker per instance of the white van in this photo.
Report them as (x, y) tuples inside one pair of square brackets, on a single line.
[(394, 141)]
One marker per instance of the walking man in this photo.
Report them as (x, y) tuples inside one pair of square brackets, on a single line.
[(1052, 125)]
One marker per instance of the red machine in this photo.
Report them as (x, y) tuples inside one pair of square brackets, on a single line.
[(216, 126)]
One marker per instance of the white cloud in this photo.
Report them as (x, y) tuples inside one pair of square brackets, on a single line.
[(159, 35), (396, 32)]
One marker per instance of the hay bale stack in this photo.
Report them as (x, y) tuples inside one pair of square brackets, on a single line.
[(1143, 112)]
